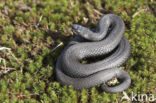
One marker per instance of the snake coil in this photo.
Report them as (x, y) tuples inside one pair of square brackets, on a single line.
[(106, 37)]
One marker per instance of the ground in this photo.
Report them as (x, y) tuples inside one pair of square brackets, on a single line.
[(31, 30)]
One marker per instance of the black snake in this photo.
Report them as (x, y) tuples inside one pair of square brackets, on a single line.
[(106, 37)]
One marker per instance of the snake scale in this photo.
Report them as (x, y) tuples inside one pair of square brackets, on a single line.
[(106, 37)]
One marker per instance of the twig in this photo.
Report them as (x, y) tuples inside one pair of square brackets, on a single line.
[(39, 20), (4, 48), (10, 52), (140, 10), (98, 12), (4, 68), (57, 46), (21, 95)]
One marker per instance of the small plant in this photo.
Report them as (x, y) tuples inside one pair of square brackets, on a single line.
[(37, 31)]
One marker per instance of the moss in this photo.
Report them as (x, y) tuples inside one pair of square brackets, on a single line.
[(32, 34)]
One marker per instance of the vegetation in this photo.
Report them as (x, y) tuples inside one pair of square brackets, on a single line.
[(32, 28)]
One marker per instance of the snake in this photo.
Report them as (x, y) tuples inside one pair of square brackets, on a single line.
[(107, 37)]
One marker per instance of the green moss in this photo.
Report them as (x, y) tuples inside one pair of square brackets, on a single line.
[(32, 35)]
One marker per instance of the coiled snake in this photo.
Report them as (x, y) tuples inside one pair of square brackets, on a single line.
[(106, 37)]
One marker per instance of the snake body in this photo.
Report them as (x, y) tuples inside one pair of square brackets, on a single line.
[(106, 37)]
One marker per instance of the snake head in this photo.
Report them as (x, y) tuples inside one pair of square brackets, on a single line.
[(76, 29), (83, 32)]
